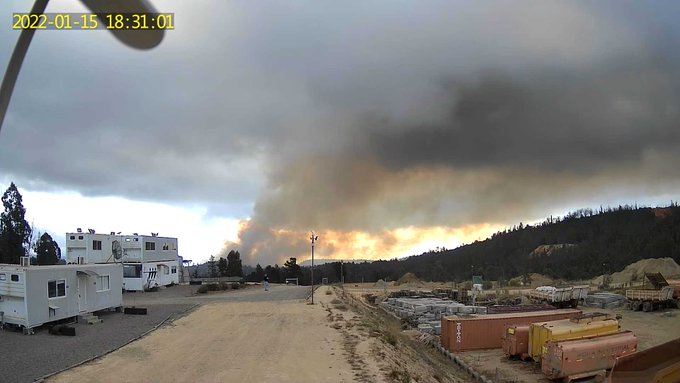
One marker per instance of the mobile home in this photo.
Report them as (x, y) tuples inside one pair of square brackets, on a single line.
[(34, 295), (148, 260)]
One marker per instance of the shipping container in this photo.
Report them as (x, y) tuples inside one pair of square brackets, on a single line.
[(585, 326), (516, 341), (503, 309), (486, 331), (586, 357), (660, 364)]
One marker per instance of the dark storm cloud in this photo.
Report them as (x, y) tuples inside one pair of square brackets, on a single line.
[(586, 122)]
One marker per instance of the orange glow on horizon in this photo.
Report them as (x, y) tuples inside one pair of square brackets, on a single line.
[(360, 245)]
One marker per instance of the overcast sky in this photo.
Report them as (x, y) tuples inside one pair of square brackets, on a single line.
[(389, 127)]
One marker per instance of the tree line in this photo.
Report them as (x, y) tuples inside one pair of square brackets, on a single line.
[(16, 235), (582, 244)]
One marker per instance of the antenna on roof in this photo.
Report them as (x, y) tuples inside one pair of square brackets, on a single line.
[(91, 231), (79, 230)]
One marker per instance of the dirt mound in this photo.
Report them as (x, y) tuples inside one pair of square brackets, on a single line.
[(381, 283), (536, 280), (408, 278), (548, 250), (636, 271)]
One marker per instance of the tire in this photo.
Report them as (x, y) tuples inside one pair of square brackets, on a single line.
[(647, 306)]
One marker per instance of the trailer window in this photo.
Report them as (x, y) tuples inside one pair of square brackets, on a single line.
[(132, 271), (96, 245), (56, 289), (80, 237), (73, 237), (151, 246), (3, 277), (15, 277), (174, 269), (103, 283), (166, 246)]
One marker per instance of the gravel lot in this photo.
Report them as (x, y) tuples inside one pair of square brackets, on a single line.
[(25, 358)]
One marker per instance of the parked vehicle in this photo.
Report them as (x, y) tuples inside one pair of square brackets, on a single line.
[(660, 296), (561, 297)]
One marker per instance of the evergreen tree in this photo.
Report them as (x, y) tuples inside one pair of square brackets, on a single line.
[(259, 272), (234, 267), (223, 267), (212, 267), (15, 233), (47, 250), (292, 268)]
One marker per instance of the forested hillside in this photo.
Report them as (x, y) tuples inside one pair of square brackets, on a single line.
[(581, 245)]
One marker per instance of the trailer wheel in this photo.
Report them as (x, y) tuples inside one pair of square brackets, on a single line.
[(647, 307), (638, 305)]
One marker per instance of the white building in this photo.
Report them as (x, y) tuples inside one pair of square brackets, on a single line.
[(148, 260), (34, 295)]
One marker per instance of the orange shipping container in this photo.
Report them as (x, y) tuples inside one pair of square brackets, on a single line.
[(486, 331), (584, 357), (516, 341)]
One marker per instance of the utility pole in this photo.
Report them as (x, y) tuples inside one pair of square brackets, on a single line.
[(313, 238), (342, 277)]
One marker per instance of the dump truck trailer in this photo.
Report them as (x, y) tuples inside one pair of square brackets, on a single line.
[(561, 297), (650, 300)]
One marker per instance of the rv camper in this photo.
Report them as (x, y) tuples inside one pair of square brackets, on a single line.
[(148, 260), (34, 295)]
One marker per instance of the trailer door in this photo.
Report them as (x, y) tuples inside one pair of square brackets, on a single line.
[(82, 292)]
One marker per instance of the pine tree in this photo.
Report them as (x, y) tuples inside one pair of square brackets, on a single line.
[(234, 267), (15, 233), (212, 267), (47, 250), (223, 267), (259, 272)]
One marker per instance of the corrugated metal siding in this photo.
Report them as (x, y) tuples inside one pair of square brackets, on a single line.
[(486, 331)]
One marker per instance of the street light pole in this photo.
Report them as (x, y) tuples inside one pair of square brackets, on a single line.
[(16, 60), (342, 276), (313, 238)]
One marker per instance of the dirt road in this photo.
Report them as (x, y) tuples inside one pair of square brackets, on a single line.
[(263, 341)]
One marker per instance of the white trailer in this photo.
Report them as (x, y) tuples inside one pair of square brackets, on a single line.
[(31, 296), (149, 260), (147, 275)]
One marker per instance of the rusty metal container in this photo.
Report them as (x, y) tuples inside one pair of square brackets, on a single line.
[(584, 326), (586, 357), (516, 341), (660, 364), (518, 308), (486, 331)]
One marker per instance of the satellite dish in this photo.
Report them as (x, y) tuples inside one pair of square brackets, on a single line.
[(117, 250)]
